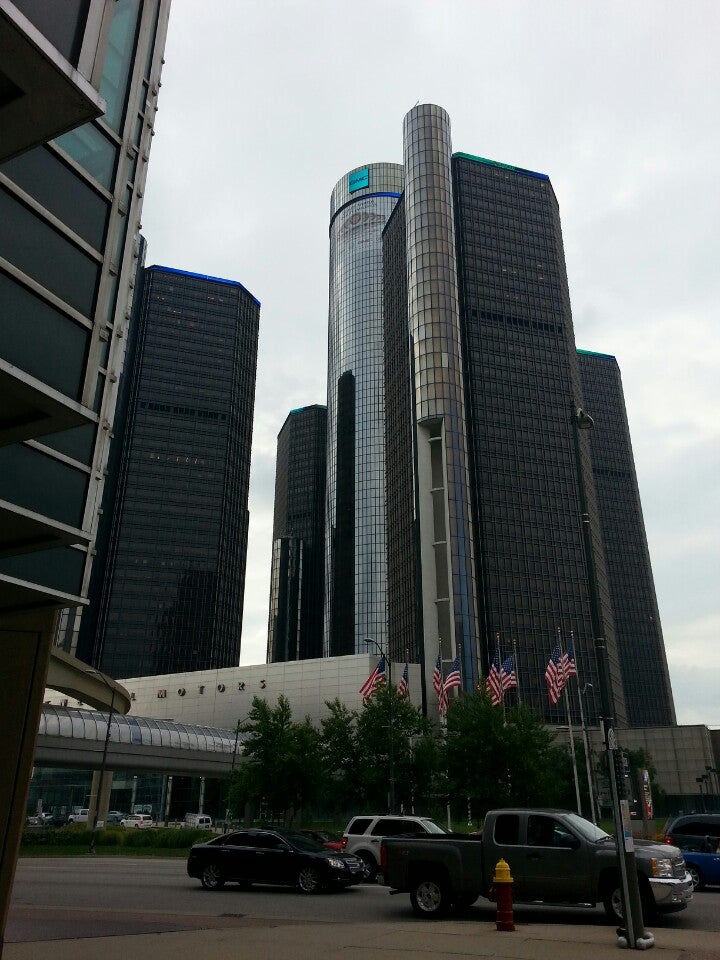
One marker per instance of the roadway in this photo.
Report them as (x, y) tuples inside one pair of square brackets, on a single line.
[(57, 898)]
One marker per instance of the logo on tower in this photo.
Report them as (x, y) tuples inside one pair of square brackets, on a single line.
[(358, 180)]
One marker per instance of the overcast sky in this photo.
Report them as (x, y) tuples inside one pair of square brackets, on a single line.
[(266, 104)]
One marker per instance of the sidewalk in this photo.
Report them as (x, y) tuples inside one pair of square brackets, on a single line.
[(257, 939)]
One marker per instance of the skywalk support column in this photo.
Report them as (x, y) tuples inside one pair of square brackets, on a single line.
[(449, 588), (25, 642)]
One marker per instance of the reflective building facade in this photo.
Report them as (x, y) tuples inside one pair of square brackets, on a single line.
[(295, 627), (638, 631), (355, 520), (485, 544), (172, 593)]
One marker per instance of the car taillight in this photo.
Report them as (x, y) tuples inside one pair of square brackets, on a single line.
[(343, 843), (383, 857), (668, 839)]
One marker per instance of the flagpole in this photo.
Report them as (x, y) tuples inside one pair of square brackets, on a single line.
[(572, 752), (586, 742), (516, 664)]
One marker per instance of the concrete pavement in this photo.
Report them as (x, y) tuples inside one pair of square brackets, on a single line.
[(237, 938)]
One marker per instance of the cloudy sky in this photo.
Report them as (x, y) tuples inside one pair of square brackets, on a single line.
[(265, 104)]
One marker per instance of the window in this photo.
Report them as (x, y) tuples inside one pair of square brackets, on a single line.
[(507, 829)]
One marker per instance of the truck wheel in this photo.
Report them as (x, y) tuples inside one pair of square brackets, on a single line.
[(612, 901), (371, 867), (430, 898)]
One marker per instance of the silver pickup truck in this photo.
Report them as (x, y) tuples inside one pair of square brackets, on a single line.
[(554, 856)]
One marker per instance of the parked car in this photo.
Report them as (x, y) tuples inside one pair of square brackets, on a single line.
[(137, 821), (115, 816), (364, 834), (273, 857), (322, 838), (554, 857), (703, 867), (79, 816), (695, 831)]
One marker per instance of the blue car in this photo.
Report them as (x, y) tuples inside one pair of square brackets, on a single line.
[(702, 867)]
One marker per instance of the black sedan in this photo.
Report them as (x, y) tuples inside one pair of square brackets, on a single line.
[(272, 856)]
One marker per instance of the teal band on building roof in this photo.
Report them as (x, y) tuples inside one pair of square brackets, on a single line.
[(593, 353), (503, 166)]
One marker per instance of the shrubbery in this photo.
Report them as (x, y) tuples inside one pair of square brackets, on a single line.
[(77, 836)]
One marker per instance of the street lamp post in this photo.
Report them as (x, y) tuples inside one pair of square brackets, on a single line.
[(629, 888), (232, 768), (391, 747), (586, 745), (103, 762)]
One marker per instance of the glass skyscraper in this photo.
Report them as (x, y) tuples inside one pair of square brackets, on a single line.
[(355, 541), (295, 624), (645, 676), (171, 599)]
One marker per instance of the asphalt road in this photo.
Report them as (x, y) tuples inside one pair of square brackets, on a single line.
[(96, 896)]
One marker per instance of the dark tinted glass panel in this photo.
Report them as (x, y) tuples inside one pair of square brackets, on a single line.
[(46, 178), (507, 829), (118, 60), (42, 484), (46, 256), (92, 150), (359, 825), (77, 443), (62, 23), (59, 569), (26, 321)]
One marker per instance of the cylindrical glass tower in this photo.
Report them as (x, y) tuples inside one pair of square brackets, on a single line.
[(356, 554), (443, 476)]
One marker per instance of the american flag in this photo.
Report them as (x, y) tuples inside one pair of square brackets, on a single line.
[(376, 678), (439, 686), (494, 683), (568, 662), (453, 679), (555, 674), (437, 676), (508, 677), (404, 683)]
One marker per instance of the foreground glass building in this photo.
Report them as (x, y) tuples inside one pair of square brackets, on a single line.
[(171, 596), (355, 540)]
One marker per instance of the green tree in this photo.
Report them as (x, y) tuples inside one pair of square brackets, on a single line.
[(496, 759), (281, 762)]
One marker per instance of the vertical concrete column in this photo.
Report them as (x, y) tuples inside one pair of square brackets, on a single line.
[(25, 642), (447, 545)]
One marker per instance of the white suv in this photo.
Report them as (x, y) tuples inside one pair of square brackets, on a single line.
[(363, 835), (138, 821)]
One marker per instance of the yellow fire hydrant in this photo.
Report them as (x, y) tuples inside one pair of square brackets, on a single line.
[(502, 882)]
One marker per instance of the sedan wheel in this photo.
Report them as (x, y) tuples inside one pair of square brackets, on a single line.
[(308, 880), (212, 878), (697, 878)]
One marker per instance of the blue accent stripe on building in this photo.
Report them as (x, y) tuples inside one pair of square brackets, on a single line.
[(594, 353), (364, 196), (503, 166), (204, 276)]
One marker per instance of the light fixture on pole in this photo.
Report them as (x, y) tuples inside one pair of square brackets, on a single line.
[(629, 887), (391, 748)]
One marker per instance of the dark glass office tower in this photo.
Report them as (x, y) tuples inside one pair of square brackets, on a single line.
[(172, 596), (295, 628), (505, 392), (638, 632), (523, 385)]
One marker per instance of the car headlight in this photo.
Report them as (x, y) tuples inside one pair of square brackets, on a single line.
[(661, 868), (335, 863)]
